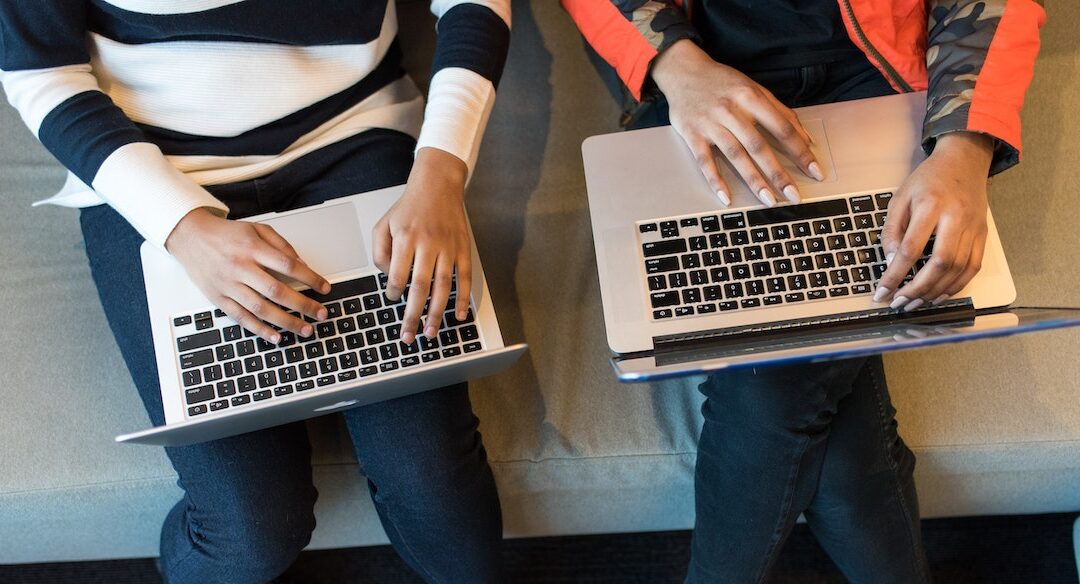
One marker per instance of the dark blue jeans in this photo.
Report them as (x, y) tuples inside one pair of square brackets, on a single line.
[(819, 440), (247, 506)]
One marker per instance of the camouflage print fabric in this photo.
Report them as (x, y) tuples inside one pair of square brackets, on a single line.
[(960, 32), (661, 22)]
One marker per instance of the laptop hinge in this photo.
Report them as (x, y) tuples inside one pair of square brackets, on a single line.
[(956, 309)]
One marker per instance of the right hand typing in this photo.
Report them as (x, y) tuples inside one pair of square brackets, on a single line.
[(238, 266), (714, 105)]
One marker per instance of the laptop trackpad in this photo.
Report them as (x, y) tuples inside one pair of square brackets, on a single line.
[(328, 237)]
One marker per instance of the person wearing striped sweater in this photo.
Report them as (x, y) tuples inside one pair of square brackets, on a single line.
[(176, 117)]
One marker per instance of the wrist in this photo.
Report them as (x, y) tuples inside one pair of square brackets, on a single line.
[(674, 63), (187, 226), (970, 149), (439, 168)]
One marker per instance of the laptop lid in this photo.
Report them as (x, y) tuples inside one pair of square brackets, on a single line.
[(840, 340)]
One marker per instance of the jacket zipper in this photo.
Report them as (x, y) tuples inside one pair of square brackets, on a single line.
[(892, 74)]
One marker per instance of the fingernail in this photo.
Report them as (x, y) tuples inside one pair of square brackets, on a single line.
[(322, 314), (408, 338), (899, 301), (461, 314), (767, 197), (940, 299), (815, 171), (307, 331), (325, 287), (881, 293), (430, 332), (913, 305), (275, 339), (889, 258), (792, 194), (720, 194)]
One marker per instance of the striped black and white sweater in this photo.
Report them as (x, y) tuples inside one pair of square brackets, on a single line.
[(144, 101)]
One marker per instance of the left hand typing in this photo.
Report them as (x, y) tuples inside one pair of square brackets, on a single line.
[(945, 197), (426, 232)]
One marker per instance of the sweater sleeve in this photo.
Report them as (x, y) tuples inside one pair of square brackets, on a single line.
[(629, 34), (980, 59), (46, 74), (470, 52)]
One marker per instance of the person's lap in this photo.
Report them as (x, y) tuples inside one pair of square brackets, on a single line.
[(248, 499)]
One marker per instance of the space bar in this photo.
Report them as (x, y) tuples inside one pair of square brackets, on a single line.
[(800, 212), (346, 289)]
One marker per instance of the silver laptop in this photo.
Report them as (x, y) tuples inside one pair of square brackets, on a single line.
[(690, 287), (218, 379)]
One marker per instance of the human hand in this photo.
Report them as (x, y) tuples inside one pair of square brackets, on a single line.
[(426, 231), (714, 105), (945, 196), (239, 267)]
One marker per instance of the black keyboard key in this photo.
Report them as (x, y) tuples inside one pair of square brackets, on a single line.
[(699, 243), (771, 300), (815, 245), (467, 347), (232, 333), (740, 271), (879, 219), (392, 365), (864, 221), (800, 212), (253, 364), (388, 352), (718, 275), (860, 274), (368, 356), (794, 297), (688, 222), (326, 380), (219, 313), (202, 324), (410, 361), (842, 224), (845, 258), (333, 310), (662, 299), (181, 320), (774, 250), (860, 289), (196, 359), (263, 345), (226, 388), (883, 200), (780, 232), (839, 277), (283, 390), (219, 405), (797, 282), (669, 229), (427, 344), (822, 227), (308, 369), (664, 313), (267, 378), (198, 341), (348, 361), (386, 316), (288, 374), (658, 265), (783, 266), (294, 354), (836, 242), (346, 376), (647, 227), (196, 410), (691, 261), (367, 371), (262, 395), (678, 280), (354, 341), (352, 306), (430, 356), (740, 238), (212, 373), (373, 302), (314, 350), (801, 229), (706, 308), (804, 263), (819, 279), (755, 288), (245, 348), (824, 261), (451, 351), (838, 291), (733, 220), (775, 285), (753, 253), (469, 333), (357, 287), (328, 365), (657, 283), (304, 385), (234, 368), (711, 258), (712, 293), (862, 204), (699, 277), (815, 294), (240, 400), (663, 248), (857, 239), (690, 296), (224, 352), (393, 332), (732, 256), (795, 247), (325, 329), (334, 346), (762, 269), (867, 256), (750, 303), (879, 269), (759, 235), (684, 311), (726, 306), (718, 240), (197, 395), (193, 377), (710, 223), (733, 290), (449, 337), (275, 359), (246, 383)]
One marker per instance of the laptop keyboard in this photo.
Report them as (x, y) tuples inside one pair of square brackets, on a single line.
[(223, 366), (716, 262)]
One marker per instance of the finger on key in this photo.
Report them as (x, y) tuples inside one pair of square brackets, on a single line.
[(440, 293), (266, 311), (282, 294), (464, 284), (961, 254), (381, 245), (896, 223), (400, 265), (423, 264), (907, 253), (246, 320)]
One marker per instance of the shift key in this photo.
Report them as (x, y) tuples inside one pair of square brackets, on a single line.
[(198, 340), (666, 247)]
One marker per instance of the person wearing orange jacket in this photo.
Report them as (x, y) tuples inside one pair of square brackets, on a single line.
[(821, 440)]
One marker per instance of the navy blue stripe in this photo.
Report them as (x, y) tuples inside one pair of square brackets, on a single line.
[(40, 34), (288, 22), (274, 137), (472, 37), (84, 130)]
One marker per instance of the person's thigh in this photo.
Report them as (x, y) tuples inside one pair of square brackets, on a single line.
[(764, 436), (422, 454), (247, 506), (866, 512)]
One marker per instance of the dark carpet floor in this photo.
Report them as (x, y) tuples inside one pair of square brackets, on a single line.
[(997, 550)]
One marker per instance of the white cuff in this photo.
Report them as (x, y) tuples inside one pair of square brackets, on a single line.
[(458, 108)]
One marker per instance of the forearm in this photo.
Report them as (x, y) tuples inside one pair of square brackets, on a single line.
[(980, 60)]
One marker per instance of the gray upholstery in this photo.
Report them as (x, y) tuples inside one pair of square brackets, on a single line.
[(995, 424)]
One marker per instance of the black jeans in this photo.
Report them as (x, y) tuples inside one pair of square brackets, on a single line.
[(247, 506), (819, 440)]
